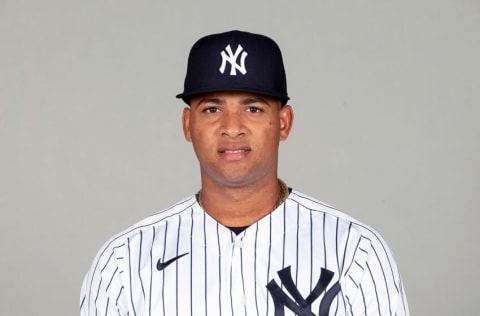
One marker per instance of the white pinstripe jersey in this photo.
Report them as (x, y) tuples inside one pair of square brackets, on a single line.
[(305, 258)]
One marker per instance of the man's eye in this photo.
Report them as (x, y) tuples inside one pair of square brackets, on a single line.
[(211, 109), (254, 109)]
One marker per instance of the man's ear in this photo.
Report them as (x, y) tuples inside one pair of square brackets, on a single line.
[(286, 121), (186, 124)]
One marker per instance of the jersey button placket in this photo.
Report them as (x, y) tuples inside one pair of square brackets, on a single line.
[(238, 243), (239, 299)]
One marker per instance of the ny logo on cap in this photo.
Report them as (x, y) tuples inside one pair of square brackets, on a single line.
[(232, 59)]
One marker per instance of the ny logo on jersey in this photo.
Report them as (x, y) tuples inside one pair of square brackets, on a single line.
[(232, 59), (302, 306)]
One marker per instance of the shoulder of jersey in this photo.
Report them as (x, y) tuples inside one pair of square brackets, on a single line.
[(153, 220), (316, 205)]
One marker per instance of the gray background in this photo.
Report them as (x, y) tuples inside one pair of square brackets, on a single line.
[(386, 96)]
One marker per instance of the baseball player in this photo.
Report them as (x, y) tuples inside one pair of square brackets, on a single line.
[(246, 243)]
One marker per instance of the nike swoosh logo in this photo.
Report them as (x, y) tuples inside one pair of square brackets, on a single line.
[(162, 265)]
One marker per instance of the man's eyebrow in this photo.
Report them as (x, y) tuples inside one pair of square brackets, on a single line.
[(210, 100), (248, 101)]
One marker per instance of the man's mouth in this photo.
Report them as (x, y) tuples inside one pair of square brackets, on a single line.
[(236, 151)]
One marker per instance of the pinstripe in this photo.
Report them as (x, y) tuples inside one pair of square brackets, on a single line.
[(205, 261), (111, 279), (353, 280), (220, 280), (119, 294), (297, 239), (140, 263), (151, 274), (232, 250), (375, 287), (404, 302), (243, 277), (230, 290), (357, 248), (384, 278), (345, 249), (163, 274), (284, 236), (302, 233), (269, 255), (191, 261), (336, 244), (311, 249), (364, 302), (324, 239), (191, 258), (140, 259), (255, 268), (337, 252), (98, 293), (106, 263)]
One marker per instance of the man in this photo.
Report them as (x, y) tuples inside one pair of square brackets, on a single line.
[(245, 244)]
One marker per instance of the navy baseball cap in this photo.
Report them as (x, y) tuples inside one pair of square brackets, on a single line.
[(235, 61)]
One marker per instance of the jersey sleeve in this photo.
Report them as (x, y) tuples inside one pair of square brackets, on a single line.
[(372, 283), (103, 292)]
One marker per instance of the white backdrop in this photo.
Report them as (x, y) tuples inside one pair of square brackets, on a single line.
[(386, 96)]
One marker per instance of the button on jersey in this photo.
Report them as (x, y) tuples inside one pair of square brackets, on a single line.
[(305, 258)]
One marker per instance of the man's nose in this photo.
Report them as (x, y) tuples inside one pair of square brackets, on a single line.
[(232, 124)]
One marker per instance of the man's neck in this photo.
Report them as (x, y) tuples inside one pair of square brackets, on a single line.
[(240, 206)]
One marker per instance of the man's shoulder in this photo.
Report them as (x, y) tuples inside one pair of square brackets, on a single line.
[(174, 210), (314, 205), (152, 222)]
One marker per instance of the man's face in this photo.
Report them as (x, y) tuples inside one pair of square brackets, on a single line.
[(236, 135)]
